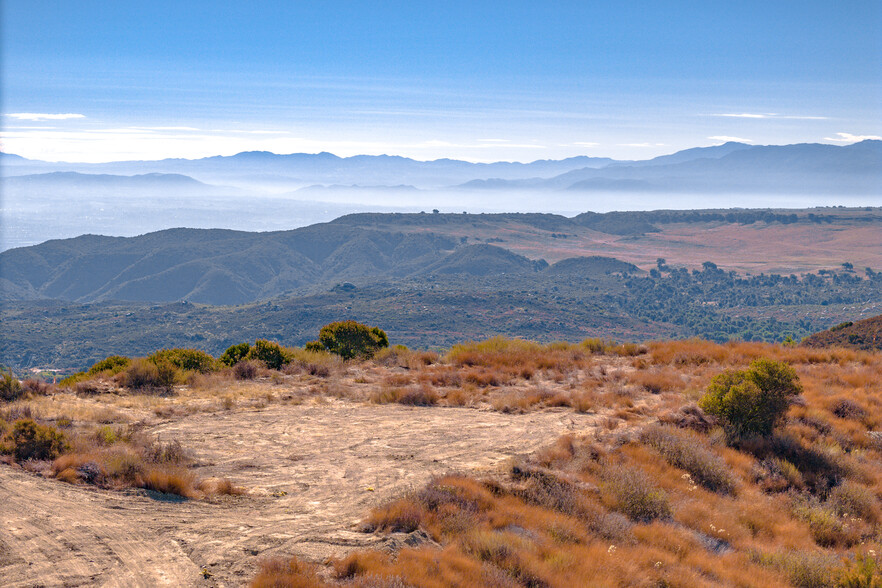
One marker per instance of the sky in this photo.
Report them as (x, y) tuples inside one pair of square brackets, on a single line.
[(482, 81)]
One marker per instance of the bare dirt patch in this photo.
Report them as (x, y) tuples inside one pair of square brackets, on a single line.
[(313, 471)]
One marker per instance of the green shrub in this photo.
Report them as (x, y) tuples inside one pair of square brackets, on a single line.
[(314, 346), (29, 440), (633, 494), (234, 354), (113, 364), (687, 452), (185, 359), (270, 353), (350, 339), (10, 387), (751, 402), (863, 572), (73, 379)]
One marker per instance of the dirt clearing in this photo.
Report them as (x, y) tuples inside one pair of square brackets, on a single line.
[(313, 471)]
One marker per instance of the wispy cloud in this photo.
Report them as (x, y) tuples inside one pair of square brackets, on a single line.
[(772, 115), (37, 116), (585, 144), (726, 139), (165, 128), (849, 138), (642, 145)]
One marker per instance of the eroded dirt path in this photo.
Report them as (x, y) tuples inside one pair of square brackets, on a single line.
[(313, 472)]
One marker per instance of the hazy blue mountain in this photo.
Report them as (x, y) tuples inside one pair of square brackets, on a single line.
[(74, 181), (803, 168), (713, 152), (301, 169)]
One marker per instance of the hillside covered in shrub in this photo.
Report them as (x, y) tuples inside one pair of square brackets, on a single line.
[(863, 334)]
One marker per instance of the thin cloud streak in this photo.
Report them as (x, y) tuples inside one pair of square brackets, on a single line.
[(727, 139), (849, 138), (769, 115), (38, 116)]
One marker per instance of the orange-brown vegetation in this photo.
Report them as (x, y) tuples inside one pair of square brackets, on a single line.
[(654, 494), (659, 500)]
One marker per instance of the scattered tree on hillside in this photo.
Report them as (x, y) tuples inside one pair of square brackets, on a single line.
[(350, 339)]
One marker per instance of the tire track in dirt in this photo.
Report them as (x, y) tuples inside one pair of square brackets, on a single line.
[(313, 472)]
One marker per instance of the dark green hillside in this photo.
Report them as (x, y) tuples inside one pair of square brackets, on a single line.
[(484, 260), (592, 266), (209, 266), (439, 309), (864, 334), (434, 279)]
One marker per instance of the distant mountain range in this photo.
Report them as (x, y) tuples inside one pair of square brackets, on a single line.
[(731, 167), (76, 182), (303, 169)]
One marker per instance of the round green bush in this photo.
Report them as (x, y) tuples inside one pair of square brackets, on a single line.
[(185, 359), (350, 339), (29, 440), (751, 402), (235, 353), (270, 353), (113, 364), (10, 387)]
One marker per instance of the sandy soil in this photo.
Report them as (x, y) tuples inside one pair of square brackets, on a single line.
[(313, 472)]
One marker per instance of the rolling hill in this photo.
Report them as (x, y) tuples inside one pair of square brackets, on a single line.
[(864, 334)]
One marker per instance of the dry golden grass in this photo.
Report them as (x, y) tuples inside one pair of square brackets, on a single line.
[(666, 507), (630, 503)]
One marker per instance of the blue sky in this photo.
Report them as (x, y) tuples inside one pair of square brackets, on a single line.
[(98, 81)]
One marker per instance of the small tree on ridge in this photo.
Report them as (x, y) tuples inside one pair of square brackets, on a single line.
[(350, 339)]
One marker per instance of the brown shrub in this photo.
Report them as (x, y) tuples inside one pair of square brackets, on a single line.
[(143, 374), (402, 515), (657, 381), (247, 369), (632, 493), (36, 387), (171, 480), (689, 416), (291, 573), (484, 378), (689, 352), (219, 487), (845, 408), (827, 529), (87, 388), (854, 500), (411, 396), (629, 350), (688, 452), (418, 396)]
